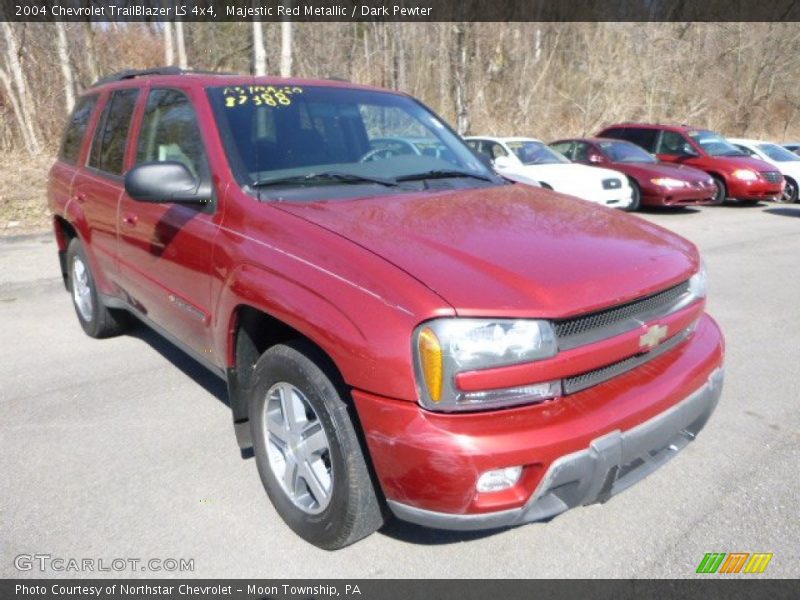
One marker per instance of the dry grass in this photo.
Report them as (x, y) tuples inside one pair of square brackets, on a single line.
[(23, 197)]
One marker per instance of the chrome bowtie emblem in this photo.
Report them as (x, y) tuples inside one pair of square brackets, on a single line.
[(653, 336)]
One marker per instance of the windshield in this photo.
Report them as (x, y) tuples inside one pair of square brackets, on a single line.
[(625, 152), (279, 137), (535, 153), (714, 144), (777, 153)]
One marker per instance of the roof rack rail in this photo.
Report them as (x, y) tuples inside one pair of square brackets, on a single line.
[(133, 73)]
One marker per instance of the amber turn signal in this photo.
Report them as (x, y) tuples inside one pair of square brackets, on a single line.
[(430, 355)]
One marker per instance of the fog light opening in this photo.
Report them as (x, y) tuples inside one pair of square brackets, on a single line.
[(499, 479)]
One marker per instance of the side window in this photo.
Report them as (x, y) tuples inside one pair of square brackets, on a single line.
[(108, 146), (646, 138), (76, 129), (671, 142), (581, 152), (496, 150), (481, 147), (564, 148), (170, 132)]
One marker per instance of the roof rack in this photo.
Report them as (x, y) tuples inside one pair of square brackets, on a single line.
[(133, 73)]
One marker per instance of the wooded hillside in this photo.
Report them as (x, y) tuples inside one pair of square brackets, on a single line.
[(544, 80)]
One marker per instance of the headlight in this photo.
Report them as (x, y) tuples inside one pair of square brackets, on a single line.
[(668, 182), (445, 347), (745, 174), (698, 282)]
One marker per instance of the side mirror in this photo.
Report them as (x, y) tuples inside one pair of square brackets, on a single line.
[(168, 181), (688, 150), (502, 162)]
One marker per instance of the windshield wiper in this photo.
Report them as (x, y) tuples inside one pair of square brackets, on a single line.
[(443, 173), (335, 176)]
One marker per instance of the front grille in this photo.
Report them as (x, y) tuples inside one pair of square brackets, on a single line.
[(590, 378), (612, 321), (772, 176)]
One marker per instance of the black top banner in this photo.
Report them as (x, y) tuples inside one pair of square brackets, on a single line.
[(400, 10)]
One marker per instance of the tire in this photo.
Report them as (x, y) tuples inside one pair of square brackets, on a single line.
[(307, 449), (722, 192), (789, 195), (636, 196), (96, 319)]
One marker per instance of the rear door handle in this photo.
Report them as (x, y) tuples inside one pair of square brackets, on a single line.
[(80, 197), (130, 219)]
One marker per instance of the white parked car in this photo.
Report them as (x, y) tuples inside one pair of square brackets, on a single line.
[(528, 160), (788, 163)]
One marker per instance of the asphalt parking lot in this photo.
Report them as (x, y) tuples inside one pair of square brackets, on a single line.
[(124, 448)]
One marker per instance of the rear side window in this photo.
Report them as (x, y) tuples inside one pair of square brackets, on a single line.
[(646, 138), (581, 152), (170, 132), (76, 129), (108, 147), (564, 148)]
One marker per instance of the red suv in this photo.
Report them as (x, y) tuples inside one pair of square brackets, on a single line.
[(736, 175), (399, 331)]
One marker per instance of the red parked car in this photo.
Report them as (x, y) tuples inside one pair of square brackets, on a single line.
[(398, 332), (653, 183), (735, 174)]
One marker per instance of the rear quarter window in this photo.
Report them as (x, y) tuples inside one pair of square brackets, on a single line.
[(111, 138), (76, 129), (646, 138)]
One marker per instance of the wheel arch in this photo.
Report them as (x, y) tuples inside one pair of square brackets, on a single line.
[(252, 331)]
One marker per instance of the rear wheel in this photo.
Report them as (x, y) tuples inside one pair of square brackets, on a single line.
[(789, 195), (95, 319), (307, 450), (722, 191), (636, 196)]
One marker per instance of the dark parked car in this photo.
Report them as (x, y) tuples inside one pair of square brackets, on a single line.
[(654, 183)]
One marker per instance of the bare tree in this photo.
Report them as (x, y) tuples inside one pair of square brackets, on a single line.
[(181, 44), (259, 54), (91, 53), (66, 68), (19, 90), (169, 44), (460, 79), (287, 35)]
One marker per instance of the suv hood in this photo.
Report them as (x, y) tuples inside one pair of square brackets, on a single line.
[(511, 250), (744, 162)]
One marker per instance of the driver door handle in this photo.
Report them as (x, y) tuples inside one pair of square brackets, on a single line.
[(130, 219)]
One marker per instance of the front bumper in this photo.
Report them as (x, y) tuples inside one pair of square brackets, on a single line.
[(754, 190), (428, 463), (612, 463), (680, 197)]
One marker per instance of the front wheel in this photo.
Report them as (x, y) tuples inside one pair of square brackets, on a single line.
[(789, 195), (636, 196), (722, 191), (307, 451)]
